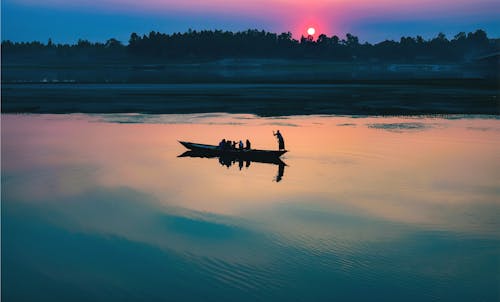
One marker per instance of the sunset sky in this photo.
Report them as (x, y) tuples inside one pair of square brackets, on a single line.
[(371, 20)]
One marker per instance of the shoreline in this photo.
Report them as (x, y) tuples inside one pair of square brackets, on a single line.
[(402, 97)]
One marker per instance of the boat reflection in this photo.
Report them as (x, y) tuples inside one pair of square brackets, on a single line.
[(229, 160)]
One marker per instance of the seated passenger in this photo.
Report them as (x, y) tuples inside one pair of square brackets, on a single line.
[(222, 144), (247, 147)]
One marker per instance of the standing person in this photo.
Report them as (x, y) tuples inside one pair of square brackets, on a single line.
[(281, 142), (248, 145), (240, 145)]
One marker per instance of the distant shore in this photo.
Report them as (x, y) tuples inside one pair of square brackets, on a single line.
[(365, 98), (262, 87)]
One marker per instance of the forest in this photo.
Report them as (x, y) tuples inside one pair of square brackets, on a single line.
[(217, 44)]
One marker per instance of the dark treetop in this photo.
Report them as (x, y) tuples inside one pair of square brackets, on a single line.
[(207, 44)]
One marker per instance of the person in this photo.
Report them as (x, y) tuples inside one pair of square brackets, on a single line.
[(233, 146), (248, 145), (281, 141), (240, 145), (222, 144)]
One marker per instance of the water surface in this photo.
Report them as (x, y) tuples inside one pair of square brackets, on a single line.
[(101, 208)]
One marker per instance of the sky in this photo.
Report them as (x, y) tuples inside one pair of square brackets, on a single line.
[(66, 21)]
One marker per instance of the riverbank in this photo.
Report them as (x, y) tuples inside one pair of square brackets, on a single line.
[(371, 98), (257, 86)]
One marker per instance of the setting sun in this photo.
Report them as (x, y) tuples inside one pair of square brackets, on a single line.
[(311, 31)]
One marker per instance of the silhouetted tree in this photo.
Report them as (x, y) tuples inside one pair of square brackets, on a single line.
[(253, 43)]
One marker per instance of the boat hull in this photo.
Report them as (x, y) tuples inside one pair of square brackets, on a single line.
[(251, 154)]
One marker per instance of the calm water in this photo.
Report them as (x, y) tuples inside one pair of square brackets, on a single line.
[(101, 208)]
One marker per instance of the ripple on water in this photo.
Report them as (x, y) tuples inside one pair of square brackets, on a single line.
[(400, 127)]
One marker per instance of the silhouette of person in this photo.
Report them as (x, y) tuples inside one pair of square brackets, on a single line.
[(281, 141), (248, 146), (281, 171), (222, 144), (240, 145)]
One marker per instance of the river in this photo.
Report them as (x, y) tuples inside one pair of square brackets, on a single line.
[(101, 207)]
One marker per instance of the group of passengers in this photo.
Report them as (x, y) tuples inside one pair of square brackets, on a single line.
[(232, 145)]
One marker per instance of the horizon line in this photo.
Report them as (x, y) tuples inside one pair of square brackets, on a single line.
[(126, 42)]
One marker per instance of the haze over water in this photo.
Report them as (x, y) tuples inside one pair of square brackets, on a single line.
[(101, 208)]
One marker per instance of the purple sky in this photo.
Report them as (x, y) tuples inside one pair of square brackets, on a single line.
[(371, 20)]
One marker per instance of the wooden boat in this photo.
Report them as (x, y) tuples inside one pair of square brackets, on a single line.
[(250, 154)]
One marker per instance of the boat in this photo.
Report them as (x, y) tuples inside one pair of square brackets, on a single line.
[(244, 154), (241, 157)]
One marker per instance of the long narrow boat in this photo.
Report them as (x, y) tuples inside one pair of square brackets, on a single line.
[(237, 153)]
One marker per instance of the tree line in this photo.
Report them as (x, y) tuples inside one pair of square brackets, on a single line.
[(218, 44)]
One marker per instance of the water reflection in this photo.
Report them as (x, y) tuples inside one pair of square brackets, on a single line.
[(407, 210), (227, 160)]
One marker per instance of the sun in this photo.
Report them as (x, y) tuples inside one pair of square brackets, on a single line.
[(311, 31)]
